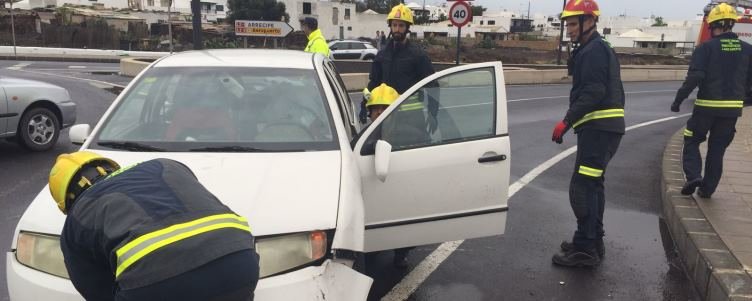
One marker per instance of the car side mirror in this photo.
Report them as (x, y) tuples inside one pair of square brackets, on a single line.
[(78, 133), (381, 160)]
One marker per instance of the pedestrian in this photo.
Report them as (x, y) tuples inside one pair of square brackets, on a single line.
[(382, 39), (722, 68), (316, 41), (596, 113), (377, 41), (149, 232), (400, 65)]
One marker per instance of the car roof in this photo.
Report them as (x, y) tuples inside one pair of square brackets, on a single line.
[(350, 41), (264, 58)]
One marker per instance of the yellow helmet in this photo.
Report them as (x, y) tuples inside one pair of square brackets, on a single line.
[(382, 95), (81, 168), (402, 13), (722, 11)]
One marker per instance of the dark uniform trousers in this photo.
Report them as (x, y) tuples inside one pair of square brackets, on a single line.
[(721, 130), (595, 148)]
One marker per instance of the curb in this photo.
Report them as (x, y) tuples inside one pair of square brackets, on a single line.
[(60, 59), (709, 264)]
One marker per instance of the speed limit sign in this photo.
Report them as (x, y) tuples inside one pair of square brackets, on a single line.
[(460, 14)]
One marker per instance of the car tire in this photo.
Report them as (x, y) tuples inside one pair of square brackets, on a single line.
[(38, 129), (369, 57), (359, 264)]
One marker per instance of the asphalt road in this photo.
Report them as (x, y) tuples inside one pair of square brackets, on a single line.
[(515, 266)]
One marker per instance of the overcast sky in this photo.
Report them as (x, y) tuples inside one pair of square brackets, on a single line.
[(668, 9)]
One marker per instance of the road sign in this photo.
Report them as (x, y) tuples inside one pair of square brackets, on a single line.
[(274, 29), (460, 13)]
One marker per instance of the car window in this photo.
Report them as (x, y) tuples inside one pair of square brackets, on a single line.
[(455, 108), (180, 109), (357, 46), (341, 46), (343, 99)]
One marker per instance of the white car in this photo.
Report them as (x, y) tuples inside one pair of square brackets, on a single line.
[(272, 134), (352, 50)]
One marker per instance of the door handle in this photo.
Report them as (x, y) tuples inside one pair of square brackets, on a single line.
[(492, 158)]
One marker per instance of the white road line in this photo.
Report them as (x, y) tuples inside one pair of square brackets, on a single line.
[(76, 67), (19, 66), (567, 96), (75, 78), (420, 273)]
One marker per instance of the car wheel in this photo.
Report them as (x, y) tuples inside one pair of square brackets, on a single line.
[(39, 129), (369, 57)]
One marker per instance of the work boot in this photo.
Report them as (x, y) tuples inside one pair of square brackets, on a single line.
[(600, 247), (703, 194), (577, 258), (690, 186)]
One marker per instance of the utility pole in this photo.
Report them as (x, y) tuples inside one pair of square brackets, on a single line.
[(561, 35), (13, 30), (198, 42), (169, 24)]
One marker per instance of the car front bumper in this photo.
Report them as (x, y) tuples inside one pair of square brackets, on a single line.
[(68, 112), (329, 281)]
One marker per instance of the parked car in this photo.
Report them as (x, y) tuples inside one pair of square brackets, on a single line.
[(273, 135), (34, 112), (352, 50)]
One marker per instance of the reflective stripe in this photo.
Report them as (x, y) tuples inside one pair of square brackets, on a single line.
[(150, 242), (589, 171), (734, 104), (411, 106), (688, 133), (600, 114)]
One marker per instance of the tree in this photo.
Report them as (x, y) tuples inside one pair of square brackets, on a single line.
[(659, 22), (267, 10), (478, 10)]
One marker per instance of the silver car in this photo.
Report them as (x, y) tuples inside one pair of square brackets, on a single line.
[(34, 112)]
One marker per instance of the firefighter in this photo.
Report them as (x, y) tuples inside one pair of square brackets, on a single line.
[(379, 99), (596, 113), (722, 68), (400, 65), (149, 232), (316, 41)]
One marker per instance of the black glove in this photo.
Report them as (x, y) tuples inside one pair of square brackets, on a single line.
[(676, 104), (363, 115)]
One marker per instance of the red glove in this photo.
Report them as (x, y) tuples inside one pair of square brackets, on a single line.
[(559, 131)]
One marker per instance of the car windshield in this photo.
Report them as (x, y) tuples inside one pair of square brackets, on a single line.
[(229, 109)]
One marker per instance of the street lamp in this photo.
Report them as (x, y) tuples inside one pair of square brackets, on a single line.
[(198, 43), (561, 34), (169, 24), (12, 25)]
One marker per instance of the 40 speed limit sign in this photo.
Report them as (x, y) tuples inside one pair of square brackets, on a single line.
[(460, 14)]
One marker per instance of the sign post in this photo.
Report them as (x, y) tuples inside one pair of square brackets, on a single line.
[(460, 14), (272, 29)]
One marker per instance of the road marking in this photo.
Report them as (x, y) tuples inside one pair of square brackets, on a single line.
[(75, 78), (420, 273), (567, 96), (19, 66), (76, 67)]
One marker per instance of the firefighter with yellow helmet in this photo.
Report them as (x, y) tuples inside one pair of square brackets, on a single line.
[(149, 232), (596, 113), (722, 69)]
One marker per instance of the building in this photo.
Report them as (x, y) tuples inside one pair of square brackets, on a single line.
[(211, 10)]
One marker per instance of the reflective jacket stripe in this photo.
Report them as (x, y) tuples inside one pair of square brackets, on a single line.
[(688, 133), (735, 104), (600, 114), (150, 242), (591, 172)]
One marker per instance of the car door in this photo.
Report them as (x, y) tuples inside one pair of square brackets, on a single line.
[(438, 185), (339, 50), (4, 114), (356, 51)]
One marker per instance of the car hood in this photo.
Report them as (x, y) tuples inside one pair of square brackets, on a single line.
[(18, 82), (277, 192)]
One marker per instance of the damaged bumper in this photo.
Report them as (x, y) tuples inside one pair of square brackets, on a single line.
[(329, 281)]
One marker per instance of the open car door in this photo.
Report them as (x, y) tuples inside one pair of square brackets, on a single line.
[(435, 164)]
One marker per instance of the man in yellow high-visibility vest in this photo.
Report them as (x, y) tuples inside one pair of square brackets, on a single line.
[(316, 41)]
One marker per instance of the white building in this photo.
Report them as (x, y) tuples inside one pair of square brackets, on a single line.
[(211, 10)]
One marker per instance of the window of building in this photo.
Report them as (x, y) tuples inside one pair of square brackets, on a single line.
[(306, 8), (347, 14), (149, 2), (164, 3), (491, 22), (349, 28), (481, 22), (220, 7), (335, 16)]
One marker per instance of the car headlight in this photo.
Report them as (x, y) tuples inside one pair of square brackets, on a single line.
[(41, 252), (283, 253)]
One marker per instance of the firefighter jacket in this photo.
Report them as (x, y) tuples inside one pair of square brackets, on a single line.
[(722, 68), (145, 224), (596, 100)]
